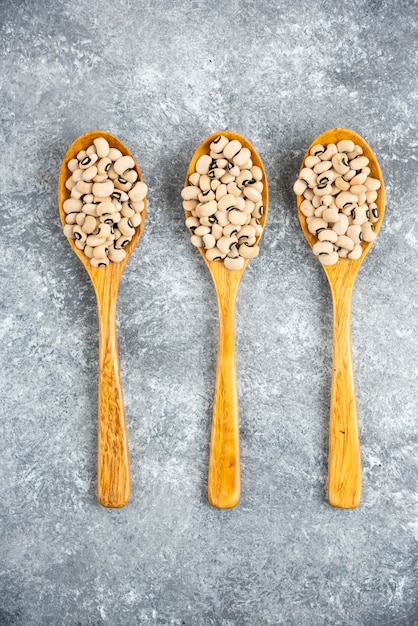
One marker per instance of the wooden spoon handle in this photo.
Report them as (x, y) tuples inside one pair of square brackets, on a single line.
[(224, 467), (113, 481), (344, 461)]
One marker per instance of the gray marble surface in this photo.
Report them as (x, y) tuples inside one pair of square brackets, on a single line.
[(162, 76)]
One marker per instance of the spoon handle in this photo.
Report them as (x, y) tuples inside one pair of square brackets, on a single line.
[(344, 461), (113, 481), (224, 466)]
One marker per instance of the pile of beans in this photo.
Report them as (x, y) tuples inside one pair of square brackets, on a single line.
[(106, 202), (224, 199), (339, 200)]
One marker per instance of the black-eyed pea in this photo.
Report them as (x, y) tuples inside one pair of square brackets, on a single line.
[(345, 145), (214, 254), (80, 244), (89, 224), (354, 232), (307, 209), (248, 207), (221, 191), (102, 146), (371, 196), (345, 199), (69, 231), (231, 229), (222, 218), (83, 187), (89, 173), (87, 161), (340, 163), (100, 252), (71, 218), (114, 154), (227, 178), (103, 166), (233, 190), (257, 172), (372, 184), (208, 241), (234, 252), (227, 202), (90, 209), (202, 230), (91, 150), (217, 231), (238, 217), (253, 194), (323, 191), (72, 205), (123, 163), (308, 194), (359, 179), (214, 184), (322, 167), (367, 232), (316, 224), (70, 183), (72, 165), (309, 176), (122, 183), (88, 251), (349, 176), (328, 259), (218, 144), (231, 149), (356, 252), (357, 189), (246, 233), (116, 254), (317, 150), (102, 190), (103, 230), (125, 227), (342, 184), (196, 241), (75, 193), (218, 173), (190, 193), (234, 263), (242, 157), (111, 173), (225, 243), (203, 164), (324, 179), (204, 182), (103, 262), (81, 155), (330, 215), (342, 253), (105, 207), (126, 210), (355, 152), (138, 191), (358, 163), (329, 152), (341, 225), (248, 252), (240, 203), (373, 213), (359, 214), (319, 210), (121, 242), (79, 234), (328, 235), (205, 209), (322, 247), (344, 241), (192, 223), (80, 217), (188, 205)]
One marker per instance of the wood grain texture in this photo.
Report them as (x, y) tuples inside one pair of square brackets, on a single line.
[(113, 480), (224, 457), (344, 458)]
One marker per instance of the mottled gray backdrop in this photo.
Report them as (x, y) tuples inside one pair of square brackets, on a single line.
[(162, 75)]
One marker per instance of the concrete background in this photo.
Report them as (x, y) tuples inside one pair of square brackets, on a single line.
[(162, 76)]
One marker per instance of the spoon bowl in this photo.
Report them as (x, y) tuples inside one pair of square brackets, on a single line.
[(113, 481), (224, 456), (344, 461)]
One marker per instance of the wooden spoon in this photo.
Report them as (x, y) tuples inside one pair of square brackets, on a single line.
[(224, 469), (113, 483), (344, 462)]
